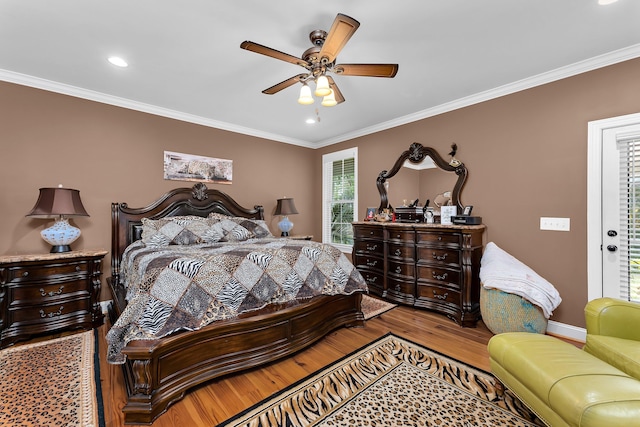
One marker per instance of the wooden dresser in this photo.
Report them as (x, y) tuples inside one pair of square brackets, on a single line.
[(429, 266), (48, 293)]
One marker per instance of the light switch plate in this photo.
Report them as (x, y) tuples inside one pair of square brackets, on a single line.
[(555, 224)]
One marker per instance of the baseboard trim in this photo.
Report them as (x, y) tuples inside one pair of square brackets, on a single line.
[(566, 331)]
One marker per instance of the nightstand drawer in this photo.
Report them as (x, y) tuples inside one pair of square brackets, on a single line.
[(47, 272), (43, 293), (48, 312)]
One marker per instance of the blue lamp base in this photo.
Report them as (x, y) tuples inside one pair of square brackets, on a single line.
[(285, 226)]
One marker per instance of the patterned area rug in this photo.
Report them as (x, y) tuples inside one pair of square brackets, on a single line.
[(372, 307), (391, 382), (52, 383)]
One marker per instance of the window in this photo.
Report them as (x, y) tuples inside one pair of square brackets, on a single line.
[(340, 195)]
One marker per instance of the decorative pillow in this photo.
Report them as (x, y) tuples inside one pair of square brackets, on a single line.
[(237, 229), (179, 230)]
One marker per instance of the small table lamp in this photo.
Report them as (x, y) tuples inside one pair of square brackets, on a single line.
[(285, 207), (61, 203)]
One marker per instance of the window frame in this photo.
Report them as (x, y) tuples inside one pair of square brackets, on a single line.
[(327, 178)]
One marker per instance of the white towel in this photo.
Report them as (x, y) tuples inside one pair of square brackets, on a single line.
[(500, 270)]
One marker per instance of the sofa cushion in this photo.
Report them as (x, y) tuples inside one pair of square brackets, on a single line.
[(621, 353), (540, 361)]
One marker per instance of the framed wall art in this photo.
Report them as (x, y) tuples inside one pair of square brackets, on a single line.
[(188, 167)]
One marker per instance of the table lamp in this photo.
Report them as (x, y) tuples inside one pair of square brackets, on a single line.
[(285, 207), (61, 203)]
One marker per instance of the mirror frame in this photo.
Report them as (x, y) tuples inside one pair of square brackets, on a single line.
[(415, 154)]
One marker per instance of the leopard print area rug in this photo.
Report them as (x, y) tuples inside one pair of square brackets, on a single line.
[(51, 383), (372, 307), (391, 382)]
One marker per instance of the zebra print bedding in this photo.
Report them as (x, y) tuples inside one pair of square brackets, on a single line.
[(185, 287)]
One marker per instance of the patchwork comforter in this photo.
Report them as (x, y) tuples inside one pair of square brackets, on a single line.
[(185, 287)]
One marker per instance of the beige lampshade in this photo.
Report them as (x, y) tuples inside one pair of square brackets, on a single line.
[(305, 97)]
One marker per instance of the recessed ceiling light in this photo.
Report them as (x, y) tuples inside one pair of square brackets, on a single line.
[(605, 2), (310, 121), (118, 62)]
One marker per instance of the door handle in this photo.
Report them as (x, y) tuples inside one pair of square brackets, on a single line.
[(612, 233), (612, 248)]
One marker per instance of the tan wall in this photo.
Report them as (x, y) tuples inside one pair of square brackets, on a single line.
[(526, 154), (116, 155), (527, 158)]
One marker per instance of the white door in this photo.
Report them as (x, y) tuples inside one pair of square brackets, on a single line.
[(619, 225)]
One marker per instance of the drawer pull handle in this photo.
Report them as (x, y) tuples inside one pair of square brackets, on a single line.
[(78, 268), (51, 293), (439, 277), (25, 274), (372, 279), (53, 313), (439, 238), (440, 296), (372, 247), (439, 257), (372, 263), (398, 236), (397, 288), (371, 233), (398, 252), (398, 269)]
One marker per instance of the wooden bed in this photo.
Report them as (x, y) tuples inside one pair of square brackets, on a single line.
[(159, 372)]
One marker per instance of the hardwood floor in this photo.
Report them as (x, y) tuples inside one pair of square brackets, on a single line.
[(220, 399)]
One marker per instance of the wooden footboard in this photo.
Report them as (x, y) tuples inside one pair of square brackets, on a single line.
[(159, 372)]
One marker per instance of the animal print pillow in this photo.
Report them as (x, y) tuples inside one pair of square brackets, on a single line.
[(237, 229), (180, 230)]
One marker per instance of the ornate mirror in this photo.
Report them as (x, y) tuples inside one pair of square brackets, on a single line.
[(428, 166)]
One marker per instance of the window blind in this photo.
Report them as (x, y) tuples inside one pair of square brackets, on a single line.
[(339, 197), (629, 230)]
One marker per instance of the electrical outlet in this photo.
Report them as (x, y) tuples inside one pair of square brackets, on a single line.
[(555, 224)]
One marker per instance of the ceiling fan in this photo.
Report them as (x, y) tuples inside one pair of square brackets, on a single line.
[(320, 59)]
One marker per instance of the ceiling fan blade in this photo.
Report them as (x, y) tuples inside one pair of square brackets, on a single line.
[(336, 92), (341, 31), (367, 70), (267, 51), (284, 84)]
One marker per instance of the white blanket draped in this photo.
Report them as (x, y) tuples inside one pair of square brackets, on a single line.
[(500, 270)]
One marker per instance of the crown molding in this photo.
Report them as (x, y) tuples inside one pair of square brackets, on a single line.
[(604, 60), (591, 64)]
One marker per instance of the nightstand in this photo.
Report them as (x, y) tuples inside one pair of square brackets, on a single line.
[(41, 294)]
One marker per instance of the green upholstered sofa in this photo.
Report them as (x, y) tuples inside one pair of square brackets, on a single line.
[(598, 385)]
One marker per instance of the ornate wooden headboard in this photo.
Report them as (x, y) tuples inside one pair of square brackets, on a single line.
[(126, 222)]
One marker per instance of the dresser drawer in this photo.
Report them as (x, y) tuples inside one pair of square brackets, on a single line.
[(369, 247), (367, 232), (452, 240), (438, 294), (436, 275), (375, 281), (46, 272), (438, 256), (369, 262), (47, 292), (49, 312), (405, 252), (402, 235), (401, 269), (372, 278)]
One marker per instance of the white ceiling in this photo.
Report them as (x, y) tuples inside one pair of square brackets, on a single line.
[(186, 63)]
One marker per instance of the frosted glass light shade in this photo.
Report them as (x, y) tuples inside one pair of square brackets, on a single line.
[(322, 86), (285, 226), (329, 100), (305, 97)]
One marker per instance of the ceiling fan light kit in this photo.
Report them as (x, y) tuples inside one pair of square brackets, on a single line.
[(320, 60)]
